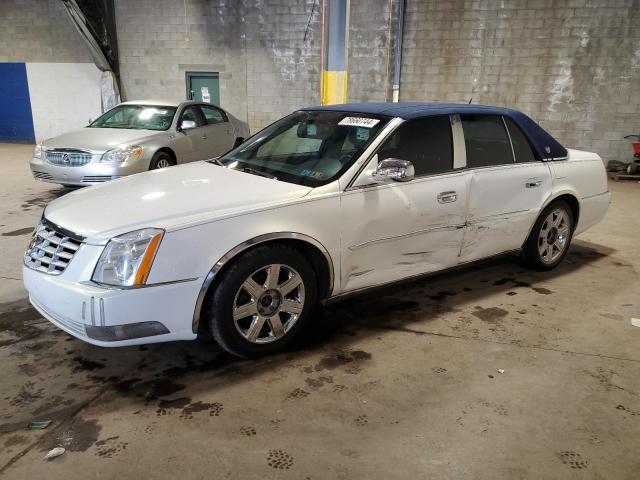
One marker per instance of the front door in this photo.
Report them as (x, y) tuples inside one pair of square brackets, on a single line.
[(219, 131), (192, 143), (508, 186), (396, 230), (203, 87)]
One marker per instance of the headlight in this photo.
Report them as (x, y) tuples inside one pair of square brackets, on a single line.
[(122, 154), (127, 259), (37, 152)]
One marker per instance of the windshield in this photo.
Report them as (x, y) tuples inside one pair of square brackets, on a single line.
[(139, 117), (308, 148)]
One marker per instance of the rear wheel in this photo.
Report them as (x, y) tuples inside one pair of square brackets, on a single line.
[(161, 160), (262, 301), (632, 168), (550, 238)]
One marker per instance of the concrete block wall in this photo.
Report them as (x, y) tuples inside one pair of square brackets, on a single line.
[(39, 31), (573, 65), (266, 67)]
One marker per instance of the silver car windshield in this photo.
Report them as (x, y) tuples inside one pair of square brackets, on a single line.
[(309, 148), (140, 117)]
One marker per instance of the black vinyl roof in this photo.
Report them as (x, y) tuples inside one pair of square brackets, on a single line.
[(545, 146)]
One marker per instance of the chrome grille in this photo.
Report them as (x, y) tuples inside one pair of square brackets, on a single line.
[(51, 249), (97, 178), (68, 158), (42, 175)]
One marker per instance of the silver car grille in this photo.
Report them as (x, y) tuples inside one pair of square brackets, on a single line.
[(68, 157), (42, 175), (51, 248)]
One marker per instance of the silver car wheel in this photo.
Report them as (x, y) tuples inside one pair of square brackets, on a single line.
[(162, 163), (268, 303), (554, 236)]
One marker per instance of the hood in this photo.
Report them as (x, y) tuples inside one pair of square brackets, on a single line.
[(169, 198), (99, 140)]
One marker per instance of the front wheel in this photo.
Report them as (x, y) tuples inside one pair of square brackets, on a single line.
[(161, 160), (632, 168), (550, 237), (262, 301)]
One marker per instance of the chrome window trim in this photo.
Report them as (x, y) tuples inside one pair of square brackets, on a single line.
[(513, 152), (250, 243)]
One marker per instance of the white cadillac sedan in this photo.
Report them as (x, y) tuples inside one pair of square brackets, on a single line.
[(325, 202)]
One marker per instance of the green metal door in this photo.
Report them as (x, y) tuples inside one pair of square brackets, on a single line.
[(203, 87)]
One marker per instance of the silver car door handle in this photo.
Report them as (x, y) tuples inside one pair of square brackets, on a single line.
[(447, 197), (533, 183), (204, 137)]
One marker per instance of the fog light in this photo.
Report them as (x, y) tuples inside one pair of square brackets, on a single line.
[(125, 332)]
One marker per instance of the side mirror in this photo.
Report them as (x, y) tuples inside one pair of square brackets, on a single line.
[(90, 121), (393, 169), (187, 124)]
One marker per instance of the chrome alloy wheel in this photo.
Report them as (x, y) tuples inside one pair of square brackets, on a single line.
[(554, 236), (268, 303), (162, 163)]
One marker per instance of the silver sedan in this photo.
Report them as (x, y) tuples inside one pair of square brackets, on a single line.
[(134, 137)]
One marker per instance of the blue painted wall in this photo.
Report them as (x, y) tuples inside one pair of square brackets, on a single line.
[(16, 120)]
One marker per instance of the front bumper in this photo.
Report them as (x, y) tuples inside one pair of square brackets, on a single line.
[(92, 173), (114, 317)]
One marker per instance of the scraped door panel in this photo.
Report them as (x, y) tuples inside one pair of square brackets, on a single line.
[(504, 202), (394, 231)]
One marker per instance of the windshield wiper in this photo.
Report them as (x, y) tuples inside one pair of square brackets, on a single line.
[(253, 171)]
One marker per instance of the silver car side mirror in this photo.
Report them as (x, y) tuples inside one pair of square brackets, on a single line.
[(393, 169), (187, 124)]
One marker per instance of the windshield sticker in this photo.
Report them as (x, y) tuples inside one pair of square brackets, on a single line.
[(359, 122), (312, 174), (312, 129), (362, 134)]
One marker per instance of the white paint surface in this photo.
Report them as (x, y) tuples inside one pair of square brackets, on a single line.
[(63, 96)]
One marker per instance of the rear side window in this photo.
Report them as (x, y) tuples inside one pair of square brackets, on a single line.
[(425, 142), (486, 141), (521, 147)]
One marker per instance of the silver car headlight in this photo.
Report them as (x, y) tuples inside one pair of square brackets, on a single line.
[(127, 259), (122, 154), (37, 151)]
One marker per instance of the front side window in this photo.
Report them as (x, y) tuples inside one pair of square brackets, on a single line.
[(193, 114), (140, 117), (486, 141), (308, 148), (425, 142), (213, 115)]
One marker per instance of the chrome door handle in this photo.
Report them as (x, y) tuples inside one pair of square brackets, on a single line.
[(533, 183), (204, 137), (447, 197)]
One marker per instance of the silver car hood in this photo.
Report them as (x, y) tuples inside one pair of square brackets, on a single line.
[(169, 198), (99, 140)]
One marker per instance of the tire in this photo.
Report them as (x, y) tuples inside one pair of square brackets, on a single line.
[(544, 251), (270, 317), (632, 168), (161, 160)]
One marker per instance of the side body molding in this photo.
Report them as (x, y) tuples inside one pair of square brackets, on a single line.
[(248, 244)]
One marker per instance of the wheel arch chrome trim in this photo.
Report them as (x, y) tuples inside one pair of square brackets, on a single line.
[(252, 242)]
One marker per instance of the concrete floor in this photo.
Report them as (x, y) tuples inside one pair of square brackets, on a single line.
[(400, 384)]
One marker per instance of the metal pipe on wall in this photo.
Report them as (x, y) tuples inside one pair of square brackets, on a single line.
[(398, 33)]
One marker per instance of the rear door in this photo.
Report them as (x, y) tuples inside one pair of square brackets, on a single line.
[(218, 131), (508, 186)]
